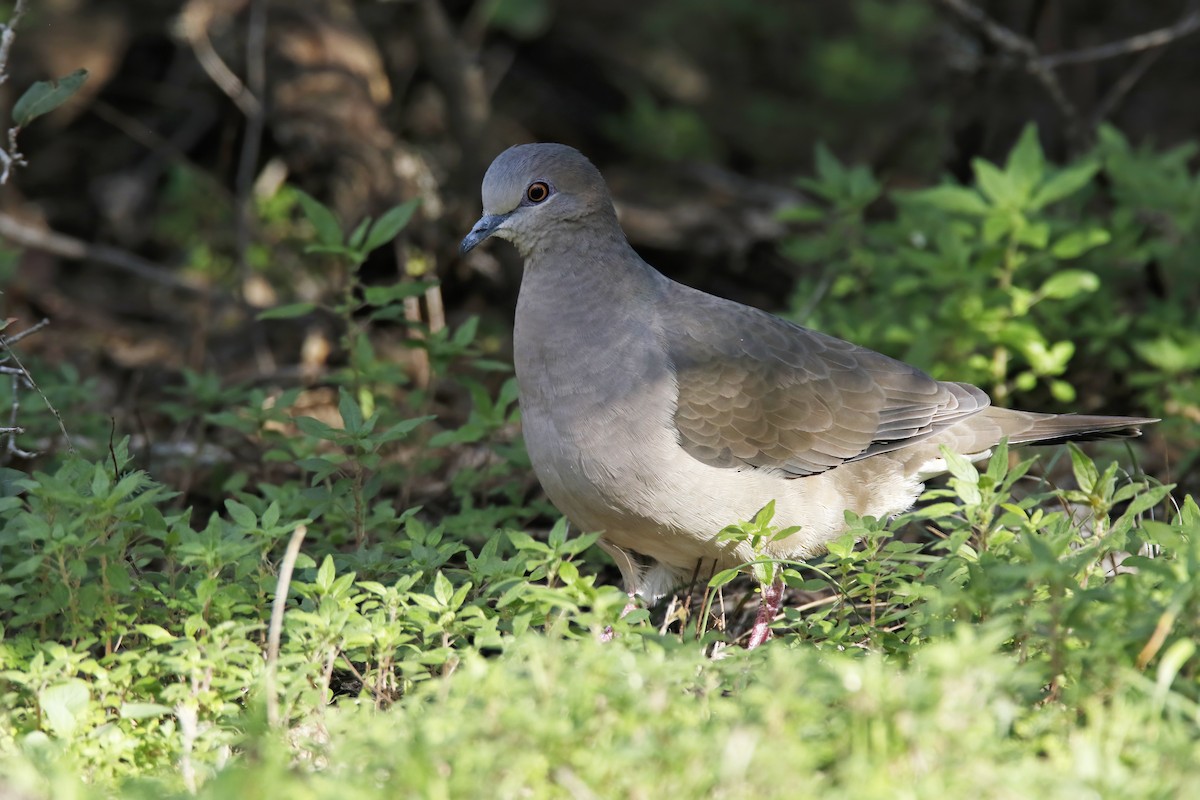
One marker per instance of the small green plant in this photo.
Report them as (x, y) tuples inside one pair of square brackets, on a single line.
[(1030, 279)]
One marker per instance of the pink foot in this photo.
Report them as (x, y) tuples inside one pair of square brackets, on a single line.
[(768, 608), (607, 634)]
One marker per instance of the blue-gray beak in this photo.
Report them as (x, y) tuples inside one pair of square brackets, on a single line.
[(483, 229)]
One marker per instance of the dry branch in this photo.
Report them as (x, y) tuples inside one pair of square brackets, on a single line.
[(1043, 67)]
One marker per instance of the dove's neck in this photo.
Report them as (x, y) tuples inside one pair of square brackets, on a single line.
[(587, 319), (593, 268)]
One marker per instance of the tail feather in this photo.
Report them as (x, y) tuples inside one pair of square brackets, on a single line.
[(1027, 427), (980, 432)]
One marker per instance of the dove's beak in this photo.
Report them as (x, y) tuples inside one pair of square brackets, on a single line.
[(485, 227)]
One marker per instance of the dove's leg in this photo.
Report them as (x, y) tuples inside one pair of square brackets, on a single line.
[(768, 608), (630, 575)]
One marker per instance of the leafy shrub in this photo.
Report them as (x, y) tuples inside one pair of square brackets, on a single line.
[(1033, 642), (1033, 279)]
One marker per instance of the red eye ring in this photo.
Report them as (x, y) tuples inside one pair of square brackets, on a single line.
[(537, 191)]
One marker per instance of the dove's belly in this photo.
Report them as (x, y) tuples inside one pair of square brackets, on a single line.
[(598, 414), (623, 473)]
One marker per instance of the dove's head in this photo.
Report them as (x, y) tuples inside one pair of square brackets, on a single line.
[(532, 191)]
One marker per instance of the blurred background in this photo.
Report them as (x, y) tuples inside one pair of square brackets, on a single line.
[(784, 154)]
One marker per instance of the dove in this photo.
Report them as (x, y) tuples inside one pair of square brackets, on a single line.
[(657, 414)]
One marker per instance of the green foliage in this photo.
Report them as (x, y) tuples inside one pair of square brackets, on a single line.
[(1030, 278), (662, 131), (1009, 657), (1004, 639), (42, 97), (524, 19)]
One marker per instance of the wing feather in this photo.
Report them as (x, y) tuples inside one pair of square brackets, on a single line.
[(755, 390)]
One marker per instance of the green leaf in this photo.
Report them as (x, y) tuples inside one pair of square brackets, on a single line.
[(155, 633), (1064, 184), (1169, 355), (1069, 283), (524, 19), (997, 466), (829, 169), (63, 704), (45, 96), (402, 428), (352, 418), (558, 534), (386, 295), (995, 184), (568, 573), (442, 590), (1050, 360), (329, 230), (314, 427), (271, 516), (1036, 235), (287, 312), (1086, 474), (1076, 243), (960, 199), (1062, 391), (242, 515), (723, 577), (26, 566), (355, 239), (325, 575), (800, 213), (959, 466), (523, 541), (842, 547), (391, 223), (765, 514), (1169, 665), (143, 710), (1148, 499), (1026, 164)]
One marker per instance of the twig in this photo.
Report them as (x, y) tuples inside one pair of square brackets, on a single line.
[(1189, 23), (186, 714), (1121, 89), (461, 80), (21, 375), (60, 244), (275, 630), (7, 34), (1042, 66), (256, 70), (10, 156), (193, 25), (32, 329), (1015, 44)]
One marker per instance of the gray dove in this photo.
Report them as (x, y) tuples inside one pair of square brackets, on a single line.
[(658, 414)]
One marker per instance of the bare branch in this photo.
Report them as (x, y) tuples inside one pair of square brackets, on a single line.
[(7, 33), (193, 26), (1042, 66), (60, 244), (10, 156), (21, 377), (1013, 43), (256, 79), (1188, 24), (27, 332), (275, 630), (452, 66), (1120, 90)]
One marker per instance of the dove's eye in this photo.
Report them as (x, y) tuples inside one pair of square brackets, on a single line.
[(537, 191)]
